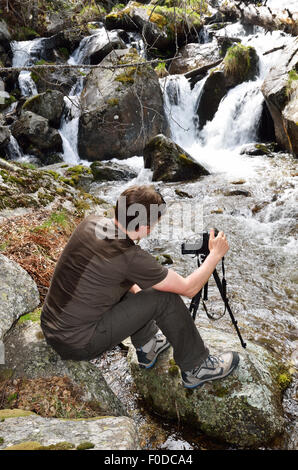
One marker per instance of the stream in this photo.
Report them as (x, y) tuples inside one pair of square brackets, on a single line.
[(253, 199)]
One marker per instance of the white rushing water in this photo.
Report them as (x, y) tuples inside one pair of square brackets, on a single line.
[(26, 53), (236, 121)]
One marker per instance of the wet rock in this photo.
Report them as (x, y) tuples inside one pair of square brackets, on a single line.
[(35, 136), (280, 89), (260, 149), (18, 293), (28, 355), (243, 409), (36, 433), (111, 172), (194, 56), (121, 109), (169, 162), (213, 92), (239, 64), (4, 136), (49, 105)]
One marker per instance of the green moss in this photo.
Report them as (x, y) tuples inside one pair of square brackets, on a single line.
[(174, 371), (284, 380), (292, 82), (59, 446), (184, 159), (237, 61), (127, 77), (32, 316), (85, 446), (1, 440), (34, 445), (113, 101), (28, 445), (14, 413)]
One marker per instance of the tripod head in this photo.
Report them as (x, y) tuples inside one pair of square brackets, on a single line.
[(199, 247)]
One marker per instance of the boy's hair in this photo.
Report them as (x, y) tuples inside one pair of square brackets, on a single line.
[(139, 205)]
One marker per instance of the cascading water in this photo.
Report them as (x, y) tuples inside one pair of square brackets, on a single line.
[(26, 53)]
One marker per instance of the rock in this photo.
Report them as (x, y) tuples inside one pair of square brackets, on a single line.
[(161, 27), (49, 105), (260, 149), (4, 136), (18, 293), (213, 92), (121, 109), (169, 162), (239, 64), (100, 45), (25, 188), (194, 56), (36, 433), (244, 409), (35, 136), (28, 355), (111, 172), (280, 90)]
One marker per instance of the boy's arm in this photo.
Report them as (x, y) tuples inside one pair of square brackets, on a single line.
[(192, 284)]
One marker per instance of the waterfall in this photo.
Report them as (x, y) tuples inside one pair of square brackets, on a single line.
[(235, 123), (26, 53)]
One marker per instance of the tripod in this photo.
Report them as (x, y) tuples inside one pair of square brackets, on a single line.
[(222, 287)]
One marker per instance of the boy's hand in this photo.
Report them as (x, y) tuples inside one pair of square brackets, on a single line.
[(218, 245)]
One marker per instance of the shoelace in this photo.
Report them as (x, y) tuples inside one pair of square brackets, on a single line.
[(212, 360)]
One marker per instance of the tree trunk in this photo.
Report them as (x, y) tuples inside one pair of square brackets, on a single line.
[(269, 18)]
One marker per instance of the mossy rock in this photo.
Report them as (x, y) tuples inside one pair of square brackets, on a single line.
[(169, 162), (241, 63)]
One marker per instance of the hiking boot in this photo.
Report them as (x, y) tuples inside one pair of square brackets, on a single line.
[(157, 345), (214, 367)]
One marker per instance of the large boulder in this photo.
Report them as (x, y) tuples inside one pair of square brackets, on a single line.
[(161, 27), (170, 162), (240, 64), (33, 432), (28, 355), (18, 293), (121, 109), (49, 105), (35, 135), (243, 409), (280, 90)]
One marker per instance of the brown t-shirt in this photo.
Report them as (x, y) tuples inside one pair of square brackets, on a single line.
[(97, 267)]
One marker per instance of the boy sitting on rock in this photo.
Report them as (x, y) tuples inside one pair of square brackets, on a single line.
[(106, 288)]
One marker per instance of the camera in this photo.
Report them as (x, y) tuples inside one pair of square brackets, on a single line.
[(201, 246)]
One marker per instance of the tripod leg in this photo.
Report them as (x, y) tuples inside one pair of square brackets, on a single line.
[(226, 302)]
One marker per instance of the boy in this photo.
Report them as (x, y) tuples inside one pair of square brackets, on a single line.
[(106, 288)]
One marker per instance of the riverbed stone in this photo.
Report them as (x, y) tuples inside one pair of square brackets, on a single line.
[(170, 162), (243, 409), (28, 355), (37, 433), (18, 293)]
